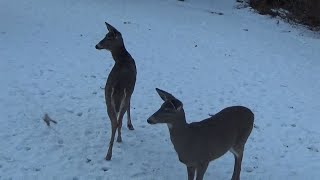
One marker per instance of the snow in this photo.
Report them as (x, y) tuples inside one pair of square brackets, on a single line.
[(209, 61)]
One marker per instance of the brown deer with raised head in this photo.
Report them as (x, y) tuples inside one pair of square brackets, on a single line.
[(199, 143), (120, 83)]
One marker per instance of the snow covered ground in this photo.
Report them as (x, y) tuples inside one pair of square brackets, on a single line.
[(48, 64)]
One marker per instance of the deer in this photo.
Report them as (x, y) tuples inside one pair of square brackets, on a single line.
[(120, 83), (199, 143)]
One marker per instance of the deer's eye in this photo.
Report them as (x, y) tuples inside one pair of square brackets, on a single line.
[(108, 37), (169, 109)]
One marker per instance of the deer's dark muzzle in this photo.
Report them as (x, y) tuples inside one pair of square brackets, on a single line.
[(98, 46), (151, 120)]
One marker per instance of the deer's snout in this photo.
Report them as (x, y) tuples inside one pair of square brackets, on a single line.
[(98, 46), (151, 120)]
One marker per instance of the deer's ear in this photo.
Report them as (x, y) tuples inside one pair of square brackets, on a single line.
[(110, 28), (164, 95), (113, 30), (177, 104)]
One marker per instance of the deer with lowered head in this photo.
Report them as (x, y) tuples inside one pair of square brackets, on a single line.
[(198, 143), (120, 83)]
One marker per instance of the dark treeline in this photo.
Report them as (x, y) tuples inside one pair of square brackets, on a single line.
[(306, 12)]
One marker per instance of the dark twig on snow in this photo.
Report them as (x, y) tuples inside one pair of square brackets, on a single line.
[(217, 13), (47, 120)]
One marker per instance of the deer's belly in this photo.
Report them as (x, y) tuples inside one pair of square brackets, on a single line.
[(199, 152)]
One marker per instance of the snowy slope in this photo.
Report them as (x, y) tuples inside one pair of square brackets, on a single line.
[(49, 65)]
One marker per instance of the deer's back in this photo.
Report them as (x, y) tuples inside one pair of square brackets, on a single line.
[(121, 78), (230, 116)]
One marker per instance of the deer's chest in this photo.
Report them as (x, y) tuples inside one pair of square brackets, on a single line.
[(190, 149)]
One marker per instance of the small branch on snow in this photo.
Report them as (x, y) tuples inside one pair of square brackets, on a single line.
[(47, 120), (217, 13)]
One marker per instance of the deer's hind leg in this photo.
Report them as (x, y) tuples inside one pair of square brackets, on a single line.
[(129, 124), (122, 110), (237, 151), (120, 117), (191, 172), (114, 125), (201, 170)]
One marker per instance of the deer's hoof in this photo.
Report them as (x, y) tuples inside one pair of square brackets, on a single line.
[(108, 157), (119, 139), (130, 127)]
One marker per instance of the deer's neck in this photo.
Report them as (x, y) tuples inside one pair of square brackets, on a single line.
[(180, 137), (121, 54), (178, 127)]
